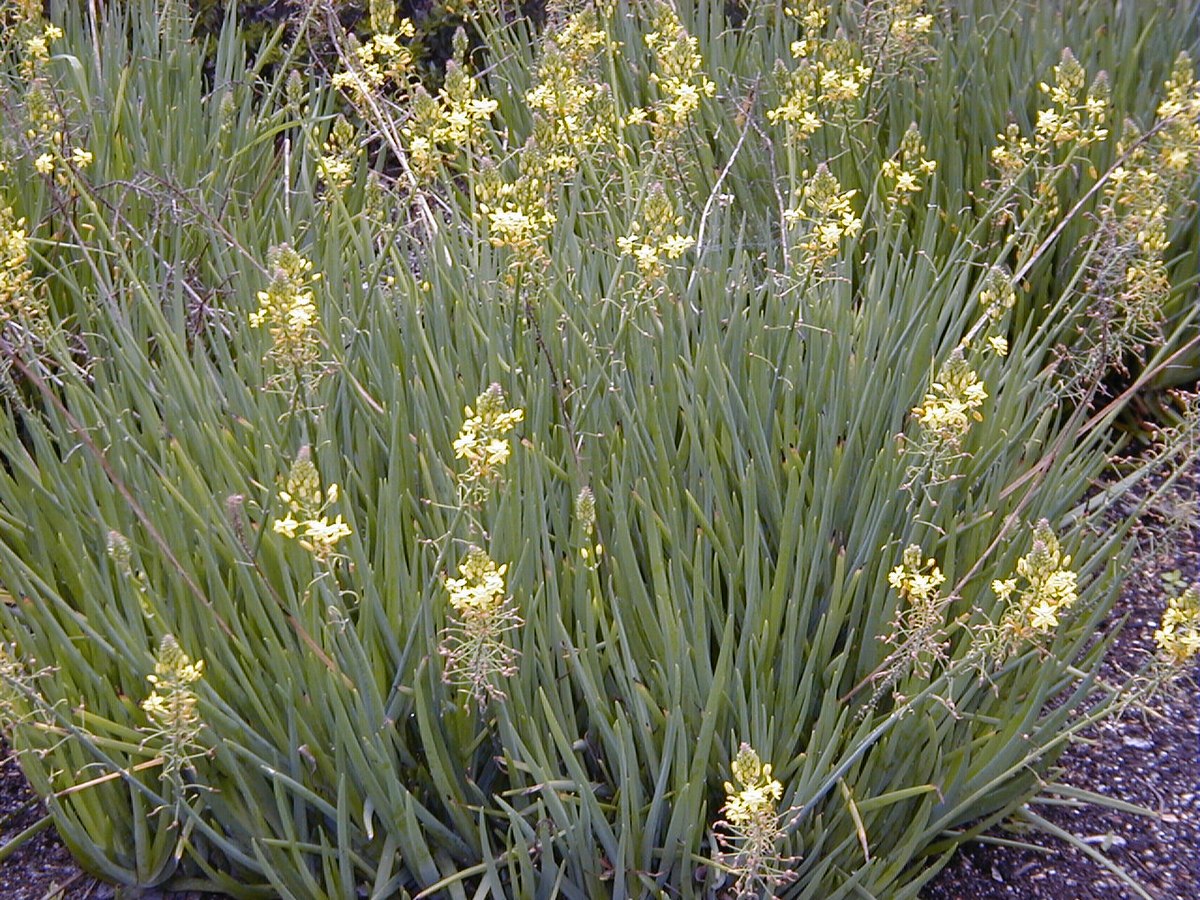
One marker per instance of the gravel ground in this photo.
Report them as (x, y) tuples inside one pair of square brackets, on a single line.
[(1149, 758)]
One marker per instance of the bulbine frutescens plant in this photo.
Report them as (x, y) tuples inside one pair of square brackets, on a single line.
[(667, 488)]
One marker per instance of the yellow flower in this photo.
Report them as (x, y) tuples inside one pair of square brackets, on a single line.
[(172, 708), (473, 640), (679, 74), (756, 793), (306, 521), (750, 829), (36, 48), (1036, 596), (914, 580), (286, 526), (1004, 588), (321, 535), (44, 163), (902, 173), (952, 403), (1043, 616), (288, 309), (1178, 635), (482, 441)]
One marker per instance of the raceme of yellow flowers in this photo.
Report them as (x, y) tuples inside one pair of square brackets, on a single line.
[(829, 78), (573, 109), (481, 611), (902, 174), (288, 310), (171, 708), (449, 128), (19, 306), (1039, 592), (656, 235), (750, 829), (1077, 113), (472, 642), (381, 60), (1178, 635), (340, 153), (483, 439), (307, 520), (913, 580), (680, 75), (826, 215), (952, 403)]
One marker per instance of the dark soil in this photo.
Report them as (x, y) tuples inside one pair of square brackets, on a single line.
[(1149, 758), (42, 863)]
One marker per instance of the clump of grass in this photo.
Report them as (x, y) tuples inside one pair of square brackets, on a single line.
[(502, 556)]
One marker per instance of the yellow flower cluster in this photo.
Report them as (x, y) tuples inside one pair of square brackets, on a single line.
[(996, 293), (43, 114), (997, 296), (288, 309), (827, 215), (755, 798), (1127, 280), (750, 829), (1177, 144), (517, 213), (573, 117), (33, 36), (442, 128), (480, 591), (171, 707), (952, 403), (798, 107), (910, 22), (307, 520), (483, 439), (1178, 635), (841, 75), (1143, 192), (918, 626), (585, 515), (19, 305), (171, 702), (26, 35), (829, 78), (381, 60), (1042, 588), (1012, 154), (473, 641), (656, 235), (340, 154), (574, 112), (1074, 119), (811, 14), (913, 580), (1077, 113), (680, 74), (902, 174), (896, 33)]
